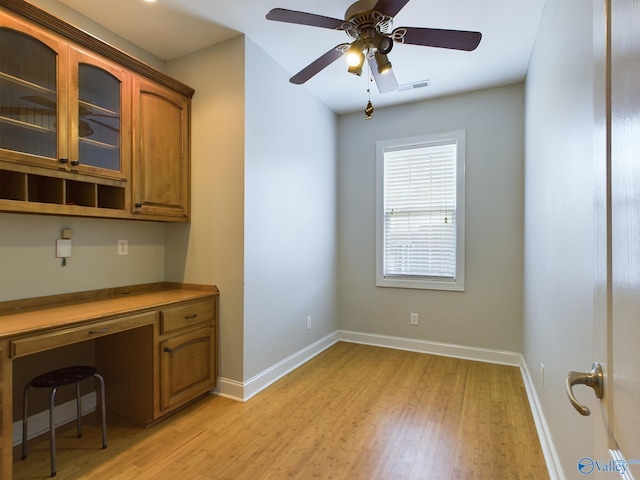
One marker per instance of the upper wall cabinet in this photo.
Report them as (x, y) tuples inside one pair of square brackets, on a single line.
[(161, 150), (84, 128)]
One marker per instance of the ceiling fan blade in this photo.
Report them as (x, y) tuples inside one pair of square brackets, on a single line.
[(390, 7), (319, 64), (303, 18), (435, 37), (103, 124), (45, 102), (86, 111), (386, 82)]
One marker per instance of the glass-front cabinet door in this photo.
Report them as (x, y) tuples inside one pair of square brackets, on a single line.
[(32, 129), (99, 118), (60, 107)]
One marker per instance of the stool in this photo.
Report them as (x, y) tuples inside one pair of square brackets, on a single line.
[(53, 380)]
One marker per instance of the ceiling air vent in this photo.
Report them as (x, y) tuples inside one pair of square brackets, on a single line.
[(414, 85)]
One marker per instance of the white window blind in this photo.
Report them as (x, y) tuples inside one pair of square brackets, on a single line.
[(420, 212)]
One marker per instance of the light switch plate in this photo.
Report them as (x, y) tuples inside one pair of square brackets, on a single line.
[(63, 248)]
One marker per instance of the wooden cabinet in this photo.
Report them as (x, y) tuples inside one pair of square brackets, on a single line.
[(187, 353), (130, 329), (85, 129), (161, 150)]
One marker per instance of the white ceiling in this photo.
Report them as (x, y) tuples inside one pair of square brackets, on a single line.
[(169, 29)]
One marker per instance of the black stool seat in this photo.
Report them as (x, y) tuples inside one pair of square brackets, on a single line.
[(53, 380), (63, 376)]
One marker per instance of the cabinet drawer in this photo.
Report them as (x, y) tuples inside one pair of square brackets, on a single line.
[(186, 315), (67, 336)]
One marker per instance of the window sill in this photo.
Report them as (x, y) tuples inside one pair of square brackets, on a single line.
[(421, 284)]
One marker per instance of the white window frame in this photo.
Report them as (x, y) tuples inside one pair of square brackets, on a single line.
[(432, 283)]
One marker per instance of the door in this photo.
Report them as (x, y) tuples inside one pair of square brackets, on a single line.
[(625, 228), (33, 127), (99, 117), (187, 366), (617, 147), (161, 150)]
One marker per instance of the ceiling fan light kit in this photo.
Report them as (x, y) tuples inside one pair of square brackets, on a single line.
[(369, 24)]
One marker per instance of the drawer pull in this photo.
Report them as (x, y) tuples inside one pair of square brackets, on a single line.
[(191, 317), (97, 332)]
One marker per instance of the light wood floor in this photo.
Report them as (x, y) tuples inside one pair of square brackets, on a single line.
[(353, 412)]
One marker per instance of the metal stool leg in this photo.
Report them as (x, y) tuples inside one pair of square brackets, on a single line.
[(53, 380), (79, 409), (25, 416), (52, 428), (104, 410)]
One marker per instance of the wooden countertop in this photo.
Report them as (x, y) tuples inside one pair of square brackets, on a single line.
[(59, 311)]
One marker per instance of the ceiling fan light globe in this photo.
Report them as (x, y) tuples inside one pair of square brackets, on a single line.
[(354, 56), (356, 70), (383, 63)]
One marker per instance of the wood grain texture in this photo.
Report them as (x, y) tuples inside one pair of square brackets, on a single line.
[(353, 412), (37, 316)]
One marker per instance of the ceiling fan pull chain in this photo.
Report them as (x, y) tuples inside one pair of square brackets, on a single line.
[(368, 111)]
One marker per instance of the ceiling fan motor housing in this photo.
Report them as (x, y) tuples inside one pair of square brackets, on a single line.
[(359, 8)]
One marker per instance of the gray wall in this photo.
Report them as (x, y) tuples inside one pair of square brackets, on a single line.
[(559, 221), (290, 215), (69, 15), (488, 313), (29, 267), (263, 226)]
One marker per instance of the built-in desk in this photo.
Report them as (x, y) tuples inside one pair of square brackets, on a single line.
[(155, 345)]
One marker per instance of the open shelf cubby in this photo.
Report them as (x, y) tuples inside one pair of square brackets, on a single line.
[(80, 193), (13, 185), (36, 188), (111, 197), (45, 189)]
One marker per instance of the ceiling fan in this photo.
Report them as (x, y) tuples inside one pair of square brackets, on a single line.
[(369, 23)]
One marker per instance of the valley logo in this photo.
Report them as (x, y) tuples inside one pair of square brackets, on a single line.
[(587, 466)]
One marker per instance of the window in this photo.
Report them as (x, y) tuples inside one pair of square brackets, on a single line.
[(420, 212)]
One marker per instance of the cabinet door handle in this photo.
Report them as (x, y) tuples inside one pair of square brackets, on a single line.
[(168, 349), (75, 163), (191, 317), (97, 332), (138, 205), (63, 160)]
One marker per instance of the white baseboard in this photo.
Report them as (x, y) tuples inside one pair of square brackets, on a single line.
[(243, 391), (65, 413), (546, 442), (434, 348)]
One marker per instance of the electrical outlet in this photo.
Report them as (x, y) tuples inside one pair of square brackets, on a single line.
[(308, 322), (413, 318), (123, 247)]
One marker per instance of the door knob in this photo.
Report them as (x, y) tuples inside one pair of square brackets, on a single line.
[(593, 379)]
